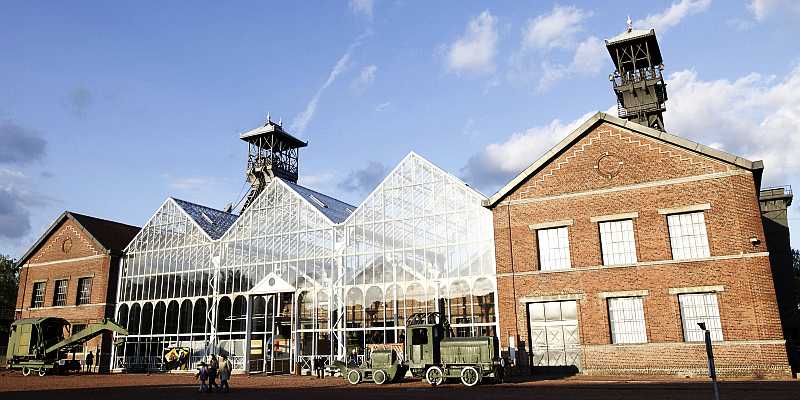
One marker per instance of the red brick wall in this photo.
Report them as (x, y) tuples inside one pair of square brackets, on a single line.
[(652, 175), (84, 258)]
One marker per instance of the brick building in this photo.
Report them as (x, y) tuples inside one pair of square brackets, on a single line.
[(71, 272), (614, 244)]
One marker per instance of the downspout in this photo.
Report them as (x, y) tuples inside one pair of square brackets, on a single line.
[(513, 275)]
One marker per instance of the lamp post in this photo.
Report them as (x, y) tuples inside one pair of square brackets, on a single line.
[(712, 372)]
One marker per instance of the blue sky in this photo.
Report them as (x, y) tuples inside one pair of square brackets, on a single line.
[(108, 108)]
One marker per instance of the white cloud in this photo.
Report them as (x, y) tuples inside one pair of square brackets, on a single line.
[(762, 9), (188, 183), (475, 51), (556, 29), (362, 7), (301, 121), (382, 106), (588, 59), (365, 78), (673, 15)]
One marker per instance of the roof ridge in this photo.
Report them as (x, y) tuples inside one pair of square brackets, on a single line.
[(204, 206), (101, 219), (317, 192)]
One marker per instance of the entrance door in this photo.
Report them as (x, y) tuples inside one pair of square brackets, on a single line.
[(555, 339)]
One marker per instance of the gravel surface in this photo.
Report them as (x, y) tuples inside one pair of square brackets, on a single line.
[(184, 386)]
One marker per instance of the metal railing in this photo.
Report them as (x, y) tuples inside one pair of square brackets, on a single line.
[(776, 191), (637, 76)]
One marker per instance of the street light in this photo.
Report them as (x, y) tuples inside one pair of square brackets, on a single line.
[(710, 352)]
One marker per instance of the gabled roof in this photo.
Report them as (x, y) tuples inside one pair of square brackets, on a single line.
[(214, 222), (110, 235), (336, 210), (601, 117)]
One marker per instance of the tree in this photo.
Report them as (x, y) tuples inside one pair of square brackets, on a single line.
[(9, 282)]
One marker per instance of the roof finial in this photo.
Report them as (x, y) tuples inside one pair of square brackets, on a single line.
[(630, 23), (280, 121), (268, 118)]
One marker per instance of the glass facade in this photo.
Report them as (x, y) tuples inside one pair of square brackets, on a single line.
[(300, 276)]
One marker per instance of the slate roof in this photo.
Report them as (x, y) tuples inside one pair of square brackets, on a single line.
[(630, 35), (113, 236), (336, 210), (214, 222)]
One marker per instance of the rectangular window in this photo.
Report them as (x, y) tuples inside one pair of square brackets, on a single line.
[(700, 307), (84, 291), (617, 242), (687, 234), (553, 248), (60, 294), (38, 295), (626, 317)]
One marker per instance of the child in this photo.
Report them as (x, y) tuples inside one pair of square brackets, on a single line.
[(202, 375)]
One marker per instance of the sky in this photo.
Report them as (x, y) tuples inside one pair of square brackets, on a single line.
[(108, 108)]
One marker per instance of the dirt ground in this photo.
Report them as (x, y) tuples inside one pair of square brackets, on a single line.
[(182, 386)]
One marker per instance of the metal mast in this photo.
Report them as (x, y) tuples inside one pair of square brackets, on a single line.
[(272, 152), (638, 81)]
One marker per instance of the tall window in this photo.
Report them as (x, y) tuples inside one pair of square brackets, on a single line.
[(553, 248), (687, 234), (38, 295), (616, 239), (700, 307), (626, 317), (60, 294), (84, 291)]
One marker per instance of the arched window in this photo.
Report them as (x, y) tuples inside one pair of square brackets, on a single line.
[(305, 309), (259, 314), (199, 318), (134, 319), (395, 310), (323, 306), (460, 298), (354, 308), (239, 314), (374, 307), (159, 318), (224, 315), (122, 316), (173, 313), (483, 295), (186, 317), (147, 319)]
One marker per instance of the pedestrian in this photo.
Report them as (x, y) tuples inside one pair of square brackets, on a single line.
[(225, 369), (89, 361), (319, 365), (213, 369), (202, 376)]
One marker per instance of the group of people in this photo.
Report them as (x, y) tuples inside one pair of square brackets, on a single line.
[(207, 373)]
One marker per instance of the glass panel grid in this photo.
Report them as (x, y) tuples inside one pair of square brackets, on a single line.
[(700, 307), (553, 248), (38, 295), (617, 242), (626, 317), (84, 291), (688, 237), (60, 293)]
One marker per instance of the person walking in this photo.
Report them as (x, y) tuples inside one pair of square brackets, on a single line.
[(213, 369), (319, 365), (225, 369), (89, 361), (202, 376)]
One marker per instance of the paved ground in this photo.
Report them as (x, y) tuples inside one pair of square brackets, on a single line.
[(173, 387)]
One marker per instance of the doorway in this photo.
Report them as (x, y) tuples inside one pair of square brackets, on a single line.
[(270, 333)]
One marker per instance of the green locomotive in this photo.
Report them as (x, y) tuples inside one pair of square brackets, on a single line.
[(432, 354)]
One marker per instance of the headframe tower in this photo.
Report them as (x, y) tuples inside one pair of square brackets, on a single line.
[(638, 80), (271, 152)]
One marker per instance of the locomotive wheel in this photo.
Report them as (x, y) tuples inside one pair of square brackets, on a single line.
[(470, 376), (434, 376), (354, 376), (42, 371), (26, 371), (379, 377)]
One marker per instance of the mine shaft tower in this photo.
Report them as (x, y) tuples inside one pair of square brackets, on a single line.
[(271, 152), (638, 80)]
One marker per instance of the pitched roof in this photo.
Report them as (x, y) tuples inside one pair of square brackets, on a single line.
[(601, 117), (112, 236), (336, 210), (214, 222)]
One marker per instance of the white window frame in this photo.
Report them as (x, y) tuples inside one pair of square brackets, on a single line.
[(688, 236), (81, 299), (553, 248), (60, 292), (626, 320), (700, 307), (618, 242), (38, 295)]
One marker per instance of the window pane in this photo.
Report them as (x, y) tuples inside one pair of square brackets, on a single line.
[(696, 308), (553, 248), (688, 237), (617, 242), (626, 317)]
